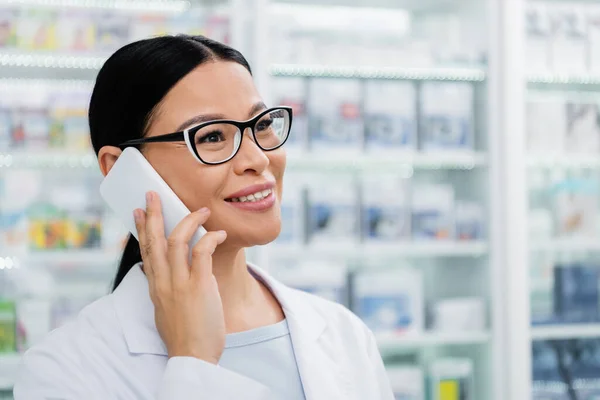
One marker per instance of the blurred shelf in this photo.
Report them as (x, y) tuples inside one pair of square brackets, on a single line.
[(402, 162), (431, 339), (419, 74), (573, 161), (567, 331), (64, 257), (409, 5), (48, 159), (49, 60), (584, 244), (9, 364), (53, 84), (407, 249), (163, 6), (565, 79)]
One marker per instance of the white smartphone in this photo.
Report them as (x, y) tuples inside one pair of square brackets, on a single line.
[(125, 186)]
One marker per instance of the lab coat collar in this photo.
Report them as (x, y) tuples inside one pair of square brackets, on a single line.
[(135, 311), (321, 370)]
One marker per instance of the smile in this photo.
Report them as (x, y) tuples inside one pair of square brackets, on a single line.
[(251, 197)]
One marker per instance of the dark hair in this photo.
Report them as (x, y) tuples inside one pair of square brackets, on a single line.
[(129, 87)]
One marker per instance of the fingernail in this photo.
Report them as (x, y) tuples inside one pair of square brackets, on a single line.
[(136, 215), (203, 210), (149, 196), (223, 233)]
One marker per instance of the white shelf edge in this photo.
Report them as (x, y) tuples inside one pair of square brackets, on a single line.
[(164, 6), (428, 339), (403, 160), (410, 249), (566, 331), (64, 257), (564, 78), (324, 71), (583, 244), (50, 60), (564, 160), (48, 158)]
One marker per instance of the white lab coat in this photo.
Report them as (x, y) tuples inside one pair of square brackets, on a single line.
[(113, 351)]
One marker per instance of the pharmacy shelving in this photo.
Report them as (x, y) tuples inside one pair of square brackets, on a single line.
[(566, 245), (432, 339), (8, 368), (565, 161), (372, 251), (565, 331), (63, 257), (417, 74)]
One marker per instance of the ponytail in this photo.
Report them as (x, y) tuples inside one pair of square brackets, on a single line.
[(131, 256)]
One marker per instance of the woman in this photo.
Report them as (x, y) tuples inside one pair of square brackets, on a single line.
[(215, 327)]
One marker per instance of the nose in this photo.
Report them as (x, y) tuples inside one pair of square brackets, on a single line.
[(250, 158)]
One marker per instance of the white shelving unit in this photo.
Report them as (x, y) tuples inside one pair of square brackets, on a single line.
[(566, 331), (432, 339)]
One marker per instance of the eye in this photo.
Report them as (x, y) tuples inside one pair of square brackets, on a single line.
[(264, 124), (211, 137)]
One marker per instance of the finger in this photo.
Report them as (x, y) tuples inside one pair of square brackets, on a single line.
[(155, 245), (178, 243), (202, 254), (139, 217)]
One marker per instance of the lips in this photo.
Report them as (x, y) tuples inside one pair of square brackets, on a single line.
[(252, 193)]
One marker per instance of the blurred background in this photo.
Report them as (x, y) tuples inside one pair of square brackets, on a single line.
[(442, 182)]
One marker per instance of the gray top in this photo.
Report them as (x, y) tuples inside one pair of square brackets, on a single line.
[(266, 355)]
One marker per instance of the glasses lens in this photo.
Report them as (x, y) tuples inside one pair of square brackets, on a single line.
[(217, 142), (272, 129)]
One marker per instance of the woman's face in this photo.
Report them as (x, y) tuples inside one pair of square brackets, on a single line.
[(220, 90)]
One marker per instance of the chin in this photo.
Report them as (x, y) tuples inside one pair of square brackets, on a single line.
[(261, 236)]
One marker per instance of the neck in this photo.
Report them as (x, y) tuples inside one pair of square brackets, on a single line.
[(247, 303)]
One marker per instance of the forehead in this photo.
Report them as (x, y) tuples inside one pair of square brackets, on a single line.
[(212, 88)]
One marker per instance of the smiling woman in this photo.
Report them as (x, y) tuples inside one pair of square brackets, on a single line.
[(214, 327)]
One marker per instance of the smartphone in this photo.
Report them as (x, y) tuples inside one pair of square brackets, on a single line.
[(125, 186)]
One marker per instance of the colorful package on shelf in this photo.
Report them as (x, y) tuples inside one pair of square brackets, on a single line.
[(333, 211), (31, 128), (390, 116), (75, 31), (433, 212), (408, 382), (6, 128), (576, 297), (291, 92), (546, 118), (36, 29), (336, 122), (547, 382), (569, 39), (148, 25), (8, 326), (292, 210), (47, 228), (390, 301), (469, 221), (112, 31), (217, 28), (326, 279), (451, 379), (539, 28), (446, 116), (576, 207), (8, 28), (582, 129), (594, 38), (13, 209), (386, 207), (70, 127)]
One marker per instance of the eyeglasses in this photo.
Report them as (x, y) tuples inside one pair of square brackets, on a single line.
[(216, 142)]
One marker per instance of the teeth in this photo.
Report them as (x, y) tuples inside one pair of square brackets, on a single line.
[(252, 197)]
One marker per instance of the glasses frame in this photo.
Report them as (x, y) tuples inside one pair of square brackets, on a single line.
[(188, 135)]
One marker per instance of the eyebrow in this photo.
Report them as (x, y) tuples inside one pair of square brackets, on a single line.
[(198, 119)]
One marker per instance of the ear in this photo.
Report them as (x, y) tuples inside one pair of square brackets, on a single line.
[(107, 156)]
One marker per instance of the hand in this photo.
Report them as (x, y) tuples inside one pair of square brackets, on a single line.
[(187, 304)]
